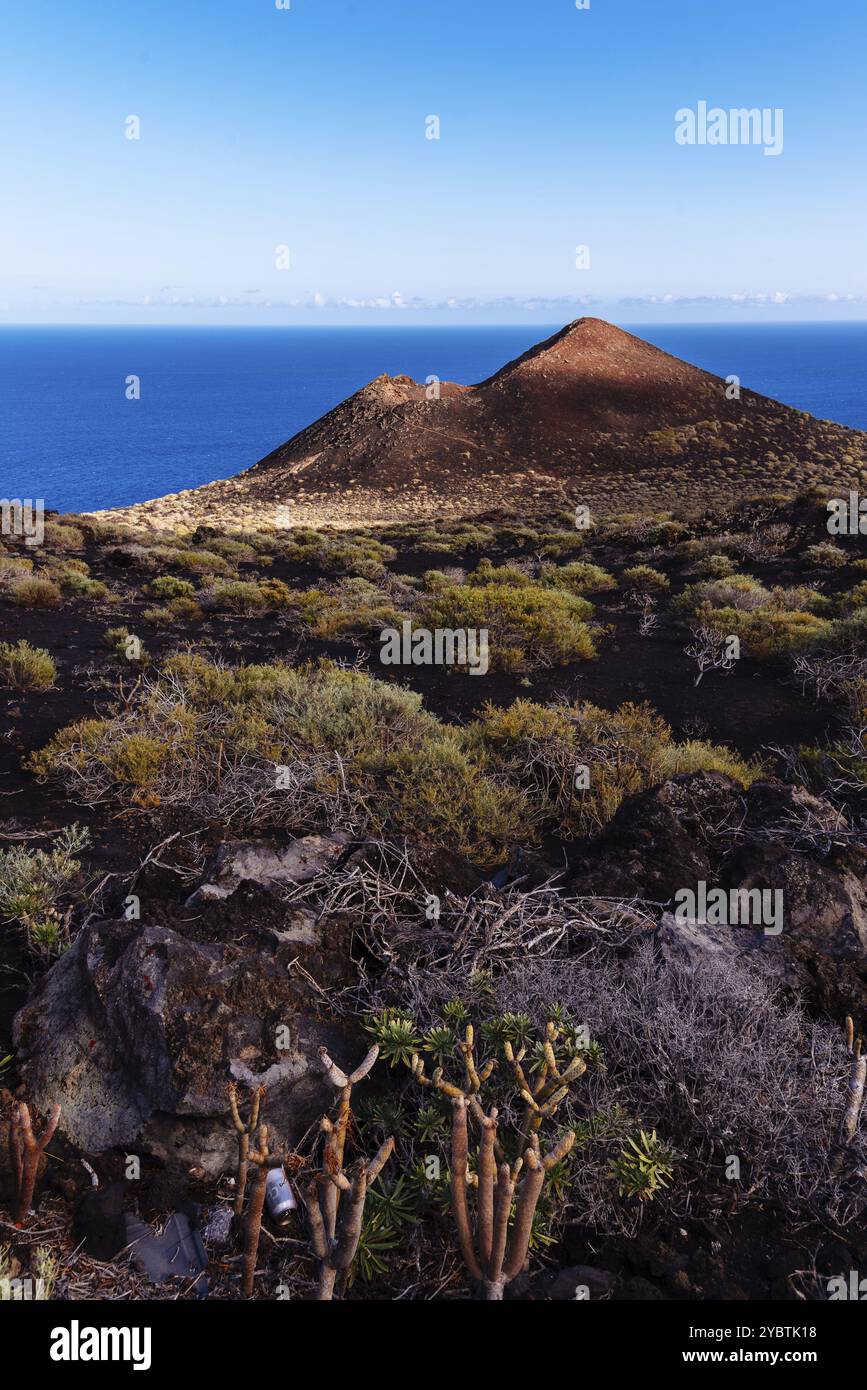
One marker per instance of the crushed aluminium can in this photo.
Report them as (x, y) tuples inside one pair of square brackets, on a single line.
[(279, 1197)]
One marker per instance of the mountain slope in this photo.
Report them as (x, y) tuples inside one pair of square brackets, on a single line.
[(592, 414)]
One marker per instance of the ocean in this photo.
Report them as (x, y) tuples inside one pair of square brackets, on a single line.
[(215, 400)]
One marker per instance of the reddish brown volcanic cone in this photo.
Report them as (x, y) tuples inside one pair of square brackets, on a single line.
[(544, 407), (591, 414)]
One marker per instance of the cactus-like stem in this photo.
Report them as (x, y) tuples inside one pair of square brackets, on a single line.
[(264, 1161), (335, 1198), (244, 1132), (495, 1255), (28, 1152), (460, 1211), (487, 1181)]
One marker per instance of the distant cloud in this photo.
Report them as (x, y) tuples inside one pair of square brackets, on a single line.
[(547, 307)]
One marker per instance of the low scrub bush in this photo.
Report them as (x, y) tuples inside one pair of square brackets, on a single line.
[(170, 586), (579, 577), (826, 555), (527, 625), (32, 882), (335, 554), (23, 667), (276, 746), (197, 561), (237, 596), (178, 611), (60, 535), (740, 591), (855, 598), (36, 593), (714, 566), (644, 579), (539, 749), (13, 568), (769, 636)]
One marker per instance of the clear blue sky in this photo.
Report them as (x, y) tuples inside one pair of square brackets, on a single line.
[(305, 127)]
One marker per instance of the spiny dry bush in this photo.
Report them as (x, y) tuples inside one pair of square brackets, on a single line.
[(713, 1057), (708, 1053)]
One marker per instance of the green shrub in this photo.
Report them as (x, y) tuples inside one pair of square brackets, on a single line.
[(170, 586), (644, 579), (237, 596), (435, 791), (137, 759), (856, 598), (13, 568), (527, 625), (665, 441), (357, 752), (237, 552), (801, 598), (488, 573), (23, 667), (126, 645), (538, 749), (580, 577), (158, 616), (767, 635), (82, 586), (36, 593), (32, 883), (739, 591), (61, 536), (715, 566), (178, 610), (826, 555), (697, 756), (554, 545), (335, 554), (199, 561)]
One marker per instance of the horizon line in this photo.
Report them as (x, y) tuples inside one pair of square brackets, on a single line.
[(492, 323)]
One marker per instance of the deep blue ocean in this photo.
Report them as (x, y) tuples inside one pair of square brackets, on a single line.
[(215, 400)]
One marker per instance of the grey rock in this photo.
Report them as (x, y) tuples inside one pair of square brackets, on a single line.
[(257, 861), (690, 945), (137, 1029)]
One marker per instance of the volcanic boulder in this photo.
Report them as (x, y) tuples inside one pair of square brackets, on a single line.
[(137, 1029)]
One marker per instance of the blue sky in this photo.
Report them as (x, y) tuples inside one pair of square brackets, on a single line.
[(263, 127)]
